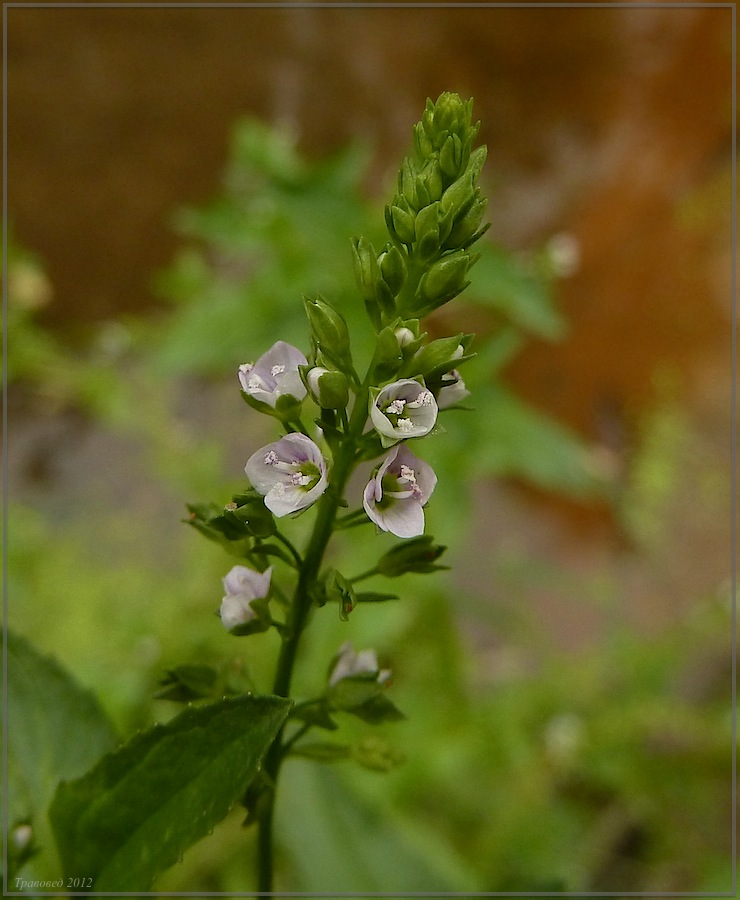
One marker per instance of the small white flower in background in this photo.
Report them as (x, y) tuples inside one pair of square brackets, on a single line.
[(290, 474), (564, 254), (242, 586), (453, 390), (350, 664), (403, 409), (275, 374), (394, 497)]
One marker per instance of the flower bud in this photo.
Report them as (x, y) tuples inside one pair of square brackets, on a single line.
[(459, 196), (376, 293), (340, 591), (392, 268), (417, 554), (467, 229), (444, 280), (430, 181), (387, 357), (404, 336), (427, 232), (329, 332), (438, 357), (452, 156), (328, 388), (401, 224)]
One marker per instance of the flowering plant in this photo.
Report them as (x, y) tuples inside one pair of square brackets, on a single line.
[(335, 421)]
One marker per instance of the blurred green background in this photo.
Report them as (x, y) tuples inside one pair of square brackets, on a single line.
[(568, 682)]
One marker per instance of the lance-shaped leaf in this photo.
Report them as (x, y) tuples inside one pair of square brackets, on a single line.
[(136, 812)]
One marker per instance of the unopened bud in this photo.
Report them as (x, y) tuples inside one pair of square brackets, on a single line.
[(452, 156), (329, 332), (413, 555), (427, 232), (392, 268), (404, 336), (401, 223), (329, 388), (444, 280), (439, 357)]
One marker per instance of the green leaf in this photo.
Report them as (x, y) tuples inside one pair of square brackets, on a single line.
[(136, 812), (190, 682), (363, 845), (54, 729)]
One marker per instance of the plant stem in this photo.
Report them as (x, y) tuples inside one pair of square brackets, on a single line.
[(297, 618)]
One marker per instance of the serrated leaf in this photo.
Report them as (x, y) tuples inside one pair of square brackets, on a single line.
[(136, 812)]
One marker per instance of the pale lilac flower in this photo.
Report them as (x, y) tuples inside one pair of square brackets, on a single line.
[(242, 586), (403, 409), (274, 375), (453, 390), (394, 497), (290, 474), (350, 665)]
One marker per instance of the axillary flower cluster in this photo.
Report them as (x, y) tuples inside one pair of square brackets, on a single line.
[(335, 420)]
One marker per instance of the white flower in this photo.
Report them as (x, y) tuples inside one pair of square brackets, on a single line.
[(290, 474), (403, 409), (453, 390), (394, 497), (242, 586), (350, 665), (274, 375)]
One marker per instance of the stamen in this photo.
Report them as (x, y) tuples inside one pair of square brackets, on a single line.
[(298, 478), (406, 426), (408, 474), (271, 458), (396, 407), (277, 370), (424, 399)]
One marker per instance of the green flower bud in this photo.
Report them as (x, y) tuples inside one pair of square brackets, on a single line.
[(444, 280), (376, 293), (432, 180), (407, 183), (468, 229), (422, 142), (329, 332), (417, 554), (329, 389), (439, 357), (476, 161), (392, 268), (401, 224), (452, 157), (427, 232), (459, 196), (387, 357), (366, 268)]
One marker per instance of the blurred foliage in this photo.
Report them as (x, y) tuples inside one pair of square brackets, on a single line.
[(606, 770)]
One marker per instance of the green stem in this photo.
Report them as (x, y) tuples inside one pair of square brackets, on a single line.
[(298, 616), (363, 575)]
